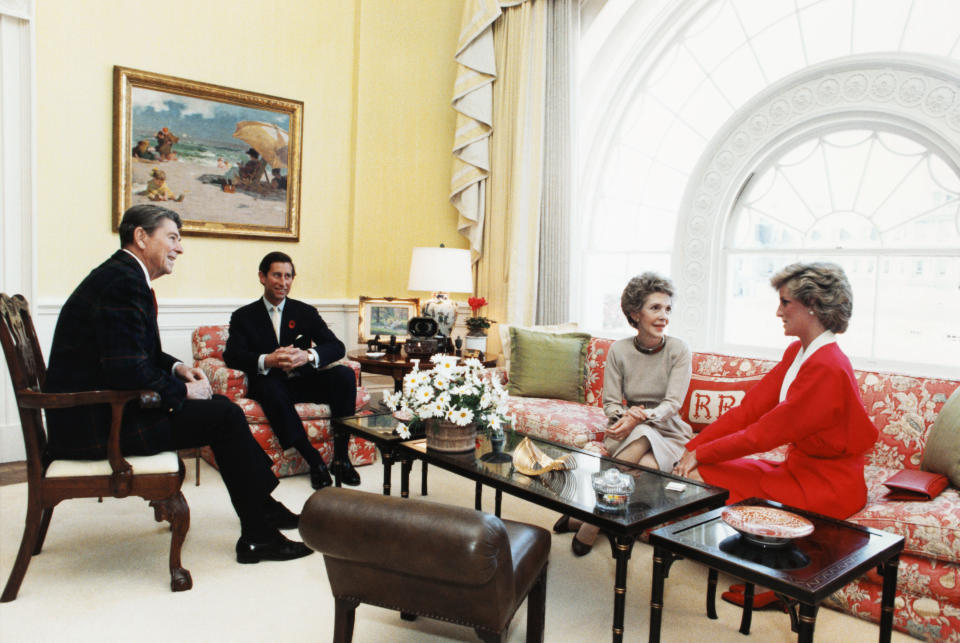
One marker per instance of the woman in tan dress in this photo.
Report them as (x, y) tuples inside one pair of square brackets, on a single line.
[(644, 382)]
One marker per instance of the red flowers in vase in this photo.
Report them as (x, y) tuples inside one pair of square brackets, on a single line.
[(476, 322)]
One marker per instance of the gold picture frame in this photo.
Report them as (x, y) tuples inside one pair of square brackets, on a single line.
[(226, 160), (385, 316)]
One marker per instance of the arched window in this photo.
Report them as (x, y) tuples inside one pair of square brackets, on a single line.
[(692, 110), (886, 206)]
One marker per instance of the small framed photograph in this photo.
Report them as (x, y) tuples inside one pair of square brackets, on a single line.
[(386, 316)]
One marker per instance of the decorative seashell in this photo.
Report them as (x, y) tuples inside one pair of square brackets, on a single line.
[(530, 460)]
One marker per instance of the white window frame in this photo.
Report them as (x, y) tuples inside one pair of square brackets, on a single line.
[(913, 94)]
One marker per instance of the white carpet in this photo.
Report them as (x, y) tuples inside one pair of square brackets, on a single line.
[(103, 576)]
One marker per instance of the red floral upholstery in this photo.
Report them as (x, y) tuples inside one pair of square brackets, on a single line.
[(902, 407), (209, 343)]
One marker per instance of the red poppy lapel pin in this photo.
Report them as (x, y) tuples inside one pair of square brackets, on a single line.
[(292, 324)]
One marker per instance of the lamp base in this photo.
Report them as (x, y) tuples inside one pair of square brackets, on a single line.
[(443, 310)]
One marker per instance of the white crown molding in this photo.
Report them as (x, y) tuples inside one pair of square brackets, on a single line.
[(906, 92), (22, 9)]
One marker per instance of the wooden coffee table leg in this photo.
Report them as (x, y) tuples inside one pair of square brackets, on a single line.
[(622, 545), (747, 617), (423, 478), (889, 571), (387, 469), (661, 563), (712, 593), (406, 464), (808, 618)]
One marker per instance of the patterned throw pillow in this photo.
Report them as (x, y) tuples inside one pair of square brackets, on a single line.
[(710, 397)]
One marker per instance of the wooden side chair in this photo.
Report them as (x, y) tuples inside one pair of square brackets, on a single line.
[(155, 478)]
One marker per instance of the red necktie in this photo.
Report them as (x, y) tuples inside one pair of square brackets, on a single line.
[(156, 308)]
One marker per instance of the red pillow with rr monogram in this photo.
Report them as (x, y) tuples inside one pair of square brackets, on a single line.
[(710, 397)]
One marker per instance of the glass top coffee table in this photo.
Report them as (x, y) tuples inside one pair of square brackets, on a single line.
[(571, 492), (803, 571), (379, 429)]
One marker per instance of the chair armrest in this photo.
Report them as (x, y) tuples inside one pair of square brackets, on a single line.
[(30, 399), (224, 380), (122, 475)]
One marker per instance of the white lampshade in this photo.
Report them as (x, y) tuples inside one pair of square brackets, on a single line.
[(440, 270)]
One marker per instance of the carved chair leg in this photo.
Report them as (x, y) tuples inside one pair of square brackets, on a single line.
[(28, 544), (344, 614), (44, 524), (537, 609), (176, 511)]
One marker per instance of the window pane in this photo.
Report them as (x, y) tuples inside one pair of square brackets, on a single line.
[(918, 310)]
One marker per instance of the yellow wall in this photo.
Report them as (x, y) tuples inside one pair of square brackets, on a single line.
[(375, 77)]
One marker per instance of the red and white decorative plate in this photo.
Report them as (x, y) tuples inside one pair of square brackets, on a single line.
[(767, 526)]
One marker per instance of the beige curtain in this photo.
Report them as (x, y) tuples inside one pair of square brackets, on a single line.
[(501, 202), (553, 285)]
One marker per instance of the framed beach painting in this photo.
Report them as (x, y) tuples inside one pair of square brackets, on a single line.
[(386, 316), (226, 160)]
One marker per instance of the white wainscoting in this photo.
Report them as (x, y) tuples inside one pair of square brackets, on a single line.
[(177, 319)]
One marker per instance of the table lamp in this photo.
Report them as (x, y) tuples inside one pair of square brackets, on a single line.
[(441, 271)]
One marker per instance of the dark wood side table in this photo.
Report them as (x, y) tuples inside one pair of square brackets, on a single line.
[(396, 366), (803, 573)]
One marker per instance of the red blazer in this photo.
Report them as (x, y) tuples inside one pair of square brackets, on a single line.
[(822, 420)]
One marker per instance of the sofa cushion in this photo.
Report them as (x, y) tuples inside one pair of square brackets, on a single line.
[(597, 351), (547, 364), (709, 397), (942, 453), (570, 423), (930, 528)]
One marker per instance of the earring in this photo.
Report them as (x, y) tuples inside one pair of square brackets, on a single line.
[(810, 311)]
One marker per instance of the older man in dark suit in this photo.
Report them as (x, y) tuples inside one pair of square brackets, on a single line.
[(107, 338), (286, 349)]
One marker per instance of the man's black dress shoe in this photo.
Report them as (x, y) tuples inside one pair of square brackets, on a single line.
[(345, 473), (279, 516), (279, 547), (320, 477)]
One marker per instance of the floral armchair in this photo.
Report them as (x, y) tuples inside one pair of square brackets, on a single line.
[(208, 344)]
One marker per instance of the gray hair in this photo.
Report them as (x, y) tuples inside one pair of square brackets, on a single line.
[(823, 288), (146, 216), (638, 289)]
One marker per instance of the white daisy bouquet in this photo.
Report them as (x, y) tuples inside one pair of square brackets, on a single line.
[(452, 391)]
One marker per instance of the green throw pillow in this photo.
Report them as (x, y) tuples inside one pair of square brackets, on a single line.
[(942, 452), (547, 364)]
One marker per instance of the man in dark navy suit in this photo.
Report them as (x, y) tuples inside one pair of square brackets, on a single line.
[(286, 349), (107, 338)]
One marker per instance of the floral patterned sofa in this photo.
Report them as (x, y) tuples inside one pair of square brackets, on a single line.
[(209, 343), (903, 409)]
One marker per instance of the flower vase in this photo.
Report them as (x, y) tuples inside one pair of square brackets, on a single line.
[(475, 342), (497, 441), (448, 437)]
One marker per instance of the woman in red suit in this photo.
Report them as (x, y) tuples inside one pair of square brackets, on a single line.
[(810, 401)]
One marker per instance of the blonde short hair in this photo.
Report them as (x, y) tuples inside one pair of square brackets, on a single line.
[(823, 288)]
